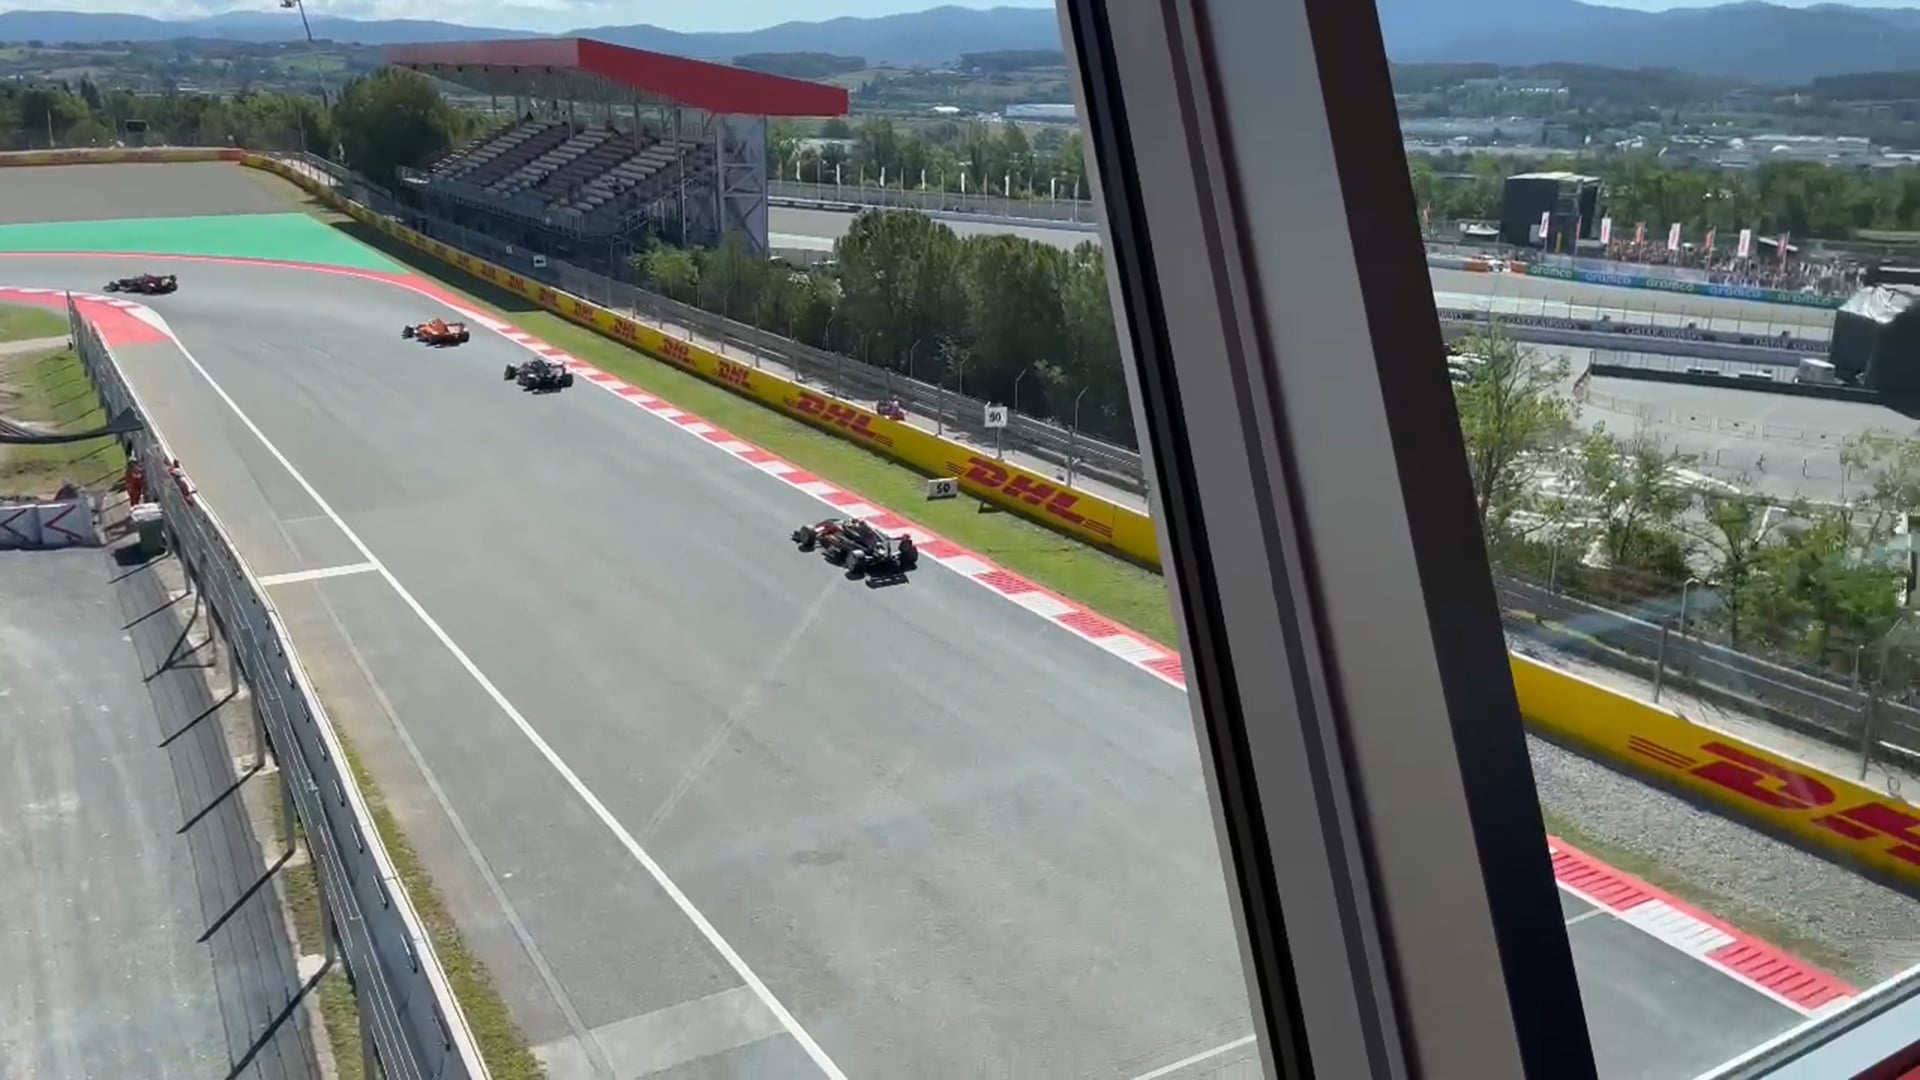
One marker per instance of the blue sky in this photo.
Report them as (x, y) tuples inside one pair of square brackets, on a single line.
[(556, 15)]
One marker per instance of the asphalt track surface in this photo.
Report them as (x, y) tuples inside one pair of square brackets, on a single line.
[(1507, 292)]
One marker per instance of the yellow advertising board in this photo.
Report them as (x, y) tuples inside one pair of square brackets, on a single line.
[(1849, 821), (1096, 521)]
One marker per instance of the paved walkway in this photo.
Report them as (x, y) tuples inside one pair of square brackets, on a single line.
[(142, 936)]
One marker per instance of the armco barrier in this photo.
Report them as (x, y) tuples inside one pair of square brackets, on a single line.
[(1847, 821), (1039, 498), (412, 1026)]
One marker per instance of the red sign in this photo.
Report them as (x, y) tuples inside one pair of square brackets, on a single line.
[(739, 375), (677, 351), (1777, 786), (993, 476), (841, 415)]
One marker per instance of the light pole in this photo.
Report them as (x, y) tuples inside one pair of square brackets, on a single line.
[(312, 47), (1016, 386), (1073, 435)]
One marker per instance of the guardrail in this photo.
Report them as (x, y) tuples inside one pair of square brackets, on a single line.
[(411, 1025)]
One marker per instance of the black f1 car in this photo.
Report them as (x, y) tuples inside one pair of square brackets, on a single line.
[(147, 284), (859, 547), (540, 375)]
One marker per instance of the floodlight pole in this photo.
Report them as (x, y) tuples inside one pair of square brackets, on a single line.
[(319, 77)]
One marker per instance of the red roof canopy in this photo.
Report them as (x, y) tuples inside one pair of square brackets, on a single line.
[(715, 88)]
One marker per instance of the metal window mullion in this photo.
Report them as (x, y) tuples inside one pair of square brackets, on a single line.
[(1311, 579)]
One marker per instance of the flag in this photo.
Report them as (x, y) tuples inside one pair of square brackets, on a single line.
[(1709, 242), (1783, 248), (1640, 233), (1546, 226), (1606, 231), (1673, 237), (1745, 250)]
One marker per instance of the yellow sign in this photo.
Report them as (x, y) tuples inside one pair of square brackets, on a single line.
[(121, 157), (1849, 821)]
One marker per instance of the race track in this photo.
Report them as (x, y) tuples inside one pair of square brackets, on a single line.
[(817, 229), (917, 826)]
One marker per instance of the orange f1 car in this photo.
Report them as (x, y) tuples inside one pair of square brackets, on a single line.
[(437, 332)]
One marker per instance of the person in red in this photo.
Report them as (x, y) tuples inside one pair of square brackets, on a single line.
[(136, 483)]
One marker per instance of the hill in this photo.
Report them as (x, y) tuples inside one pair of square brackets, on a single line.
[(1752, 41)]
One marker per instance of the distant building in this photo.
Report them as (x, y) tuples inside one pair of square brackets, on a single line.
[(1045, 112), (1569, 201), (1510, 129)]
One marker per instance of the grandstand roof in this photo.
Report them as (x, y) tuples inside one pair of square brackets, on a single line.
[(501, 66)]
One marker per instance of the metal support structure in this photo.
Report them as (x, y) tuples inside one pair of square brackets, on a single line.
[(740, 154), (1345, 663)]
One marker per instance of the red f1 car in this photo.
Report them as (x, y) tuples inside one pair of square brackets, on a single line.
[(145, 284), (859, 547), (437, 332)]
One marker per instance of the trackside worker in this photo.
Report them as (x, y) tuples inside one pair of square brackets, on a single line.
[(136, 482)]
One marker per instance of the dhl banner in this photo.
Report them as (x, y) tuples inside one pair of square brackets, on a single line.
[(1846, 821), (1030, 494), (122, 157)]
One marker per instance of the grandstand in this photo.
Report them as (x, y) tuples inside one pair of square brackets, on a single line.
[(597, 142)]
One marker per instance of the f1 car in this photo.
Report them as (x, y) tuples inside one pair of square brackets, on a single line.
[(859, 547), (146, 284), (540, 374), (437, 332)]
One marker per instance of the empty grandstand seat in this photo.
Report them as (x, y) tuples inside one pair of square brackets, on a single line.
[(571, 177), (516, 154), (466, 149), (493, 148), (546, 164)]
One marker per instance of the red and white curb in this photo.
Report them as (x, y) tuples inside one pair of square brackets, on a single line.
[(1740, 956)]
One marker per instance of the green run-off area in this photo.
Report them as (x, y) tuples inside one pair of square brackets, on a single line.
[(291, 237)]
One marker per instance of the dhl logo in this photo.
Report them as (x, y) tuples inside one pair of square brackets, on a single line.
[(677, 351), (841, 415), (517, 283), (1895, 832), (1059, 503), (548, 299), (626, 330), (581, 310), (734, 374), (488, 272)]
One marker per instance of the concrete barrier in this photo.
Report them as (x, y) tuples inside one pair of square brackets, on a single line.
[(61, 524)]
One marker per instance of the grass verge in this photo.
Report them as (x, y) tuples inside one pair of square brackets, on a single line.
[(501, 1045), (50, 391), (20, 322)]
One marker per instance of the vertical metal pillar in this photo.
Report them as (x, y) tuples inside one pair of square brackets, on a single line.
[(1348, 679)]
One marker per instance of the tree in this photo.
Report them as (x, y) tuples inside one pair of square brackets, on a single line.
[(1014, 311), (1734, 527), (1633, 487), (1510, 417), (391, 119), (901, 282), (731, 277), (671, 271)]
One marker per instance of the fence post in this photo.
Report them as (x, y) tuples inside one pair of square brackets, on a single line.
[(1866, 730), (1660, 659)]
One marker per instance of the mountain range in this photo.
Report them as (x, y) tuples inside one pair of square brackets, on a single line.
[(1757, 42)]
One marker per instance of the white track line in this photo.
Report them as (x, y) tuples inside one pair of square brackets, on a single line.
[(640, 855), (1204, 1055), (320, 574)]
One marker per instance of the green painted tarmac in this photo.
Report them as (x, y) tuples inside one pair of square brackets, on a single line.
[(287, 237)]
